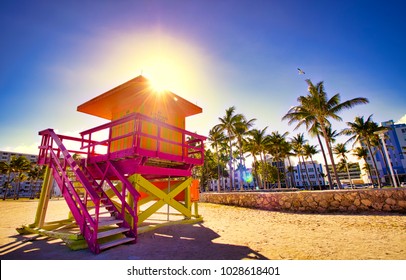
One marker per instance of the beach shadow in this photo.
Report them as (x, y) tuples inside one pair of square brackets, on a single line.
[(176, 242), (192, 242)]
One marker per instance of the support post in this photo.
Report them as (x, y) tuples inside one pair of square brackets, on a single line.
[(44, 198)]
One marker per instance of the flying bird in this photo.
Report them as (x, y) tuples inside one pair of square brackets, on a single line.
[(301, 72)]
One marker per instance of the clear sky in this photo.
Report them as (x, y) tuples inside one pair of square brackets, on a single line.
[(55, 55)]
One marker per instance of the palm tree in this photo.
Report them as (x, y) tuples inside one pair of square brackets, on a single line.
[(277, 147), (316, 107), (362, 131), (241, 131), (362, 153), (6, 169), (377, 144), (298, 143), (20, 166), (228, 124), (216, 137), (287, 152), (315, 131), (36, 173), (309, 152), (341, 151), (256, 144)]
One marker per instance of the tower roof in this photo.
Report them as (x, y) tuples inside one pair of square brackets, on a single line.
[(137, 91)]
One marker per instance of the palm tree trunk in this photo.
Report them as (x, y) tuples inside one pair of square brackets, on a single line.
[(330, 152), (262, 175), (255, 171), (230, 165), (241, 170), (349, 176), (31, 189), (292, 176), (300, 172), (369, 172), (6, 188), (386, 165), (279, 176), (374, 163), (330, 181), (317, 174), (218, 169), (307, 173)]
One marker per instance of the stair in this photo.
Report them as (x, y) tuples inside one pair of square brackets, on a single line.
[(116, 242), (79, 188), (111, 232)]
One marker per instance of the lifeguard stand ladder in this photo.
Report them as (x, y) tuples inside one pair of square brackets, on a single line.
[(121, 174)]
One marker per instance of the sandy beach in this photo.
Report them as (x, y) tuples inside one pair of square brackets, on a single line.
[(227, 233)]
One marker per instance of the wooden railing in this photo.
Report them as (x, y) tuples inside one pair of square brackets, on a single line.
[(144, 136), (59, 159)]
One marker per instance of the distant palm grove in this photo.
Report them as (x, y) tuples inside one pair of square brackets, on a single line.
[(17, 171), (234, 139)]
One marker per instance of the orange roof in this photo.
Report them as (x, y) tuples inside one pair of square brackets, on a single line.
[(136, 91)]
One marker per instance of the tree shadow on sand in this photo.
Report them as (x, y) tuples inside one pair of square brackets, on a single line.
[(177, 242)]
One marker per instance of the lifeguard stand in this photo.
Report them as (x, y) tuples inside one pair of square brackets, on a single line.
[(124, 171)]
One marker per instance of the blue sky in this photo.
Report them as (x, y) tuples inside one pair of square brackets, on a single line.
[(55, 55)]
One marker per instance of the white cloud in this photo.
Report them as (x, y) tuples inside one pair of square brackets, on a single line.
[(23, 149)]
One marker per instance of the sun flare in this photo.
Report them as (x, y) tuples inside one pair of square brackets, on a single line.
[(164, 73)]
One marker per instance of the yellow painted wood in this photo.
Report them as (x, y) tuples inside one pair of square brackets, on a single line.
[(150, 211), (44, 198), (143, 185)]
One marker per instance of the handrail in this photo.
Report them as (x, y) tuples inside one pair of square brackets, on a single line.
[(71, 162), (59, 159), (139, 119)]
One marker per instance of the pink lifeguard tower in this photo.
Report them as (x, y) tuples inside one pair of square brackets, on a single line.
[(122, 173)]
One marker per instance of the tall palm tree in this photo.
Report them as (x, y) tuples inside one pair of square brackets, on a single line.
[(362, 153), (362, 131), (256, 144), (314, 130), (287, 152), (228, 124), (298, 143), (241, 132), (316, 107), (341, 151), (309, 152), (216, 137), (277, 148)]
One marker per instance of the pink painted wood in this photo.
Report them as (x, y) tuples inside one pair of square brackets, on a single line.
[(191, 146), (54, 153)]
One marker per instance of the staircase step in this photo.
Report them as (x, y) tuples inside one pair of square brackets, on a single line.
[(102, 213), (116, 242), (111, 232), (109, 222)]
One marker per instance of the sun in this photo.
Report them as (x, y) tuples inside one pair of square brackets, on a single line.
[(164, 73)]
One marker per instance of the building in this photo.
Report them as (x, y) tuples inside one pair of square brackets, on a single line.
[(395, 142), (309, 175), (26, 187), (354, 172), (247, 181), (6, 156)]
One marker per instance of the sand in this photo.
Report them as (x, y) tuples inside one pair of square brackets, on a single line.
[(227, 233)]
